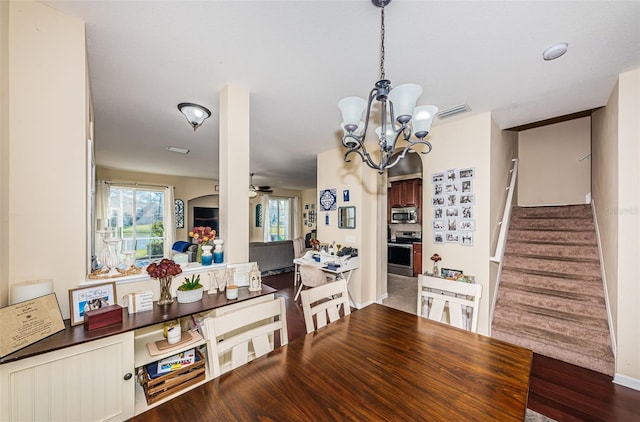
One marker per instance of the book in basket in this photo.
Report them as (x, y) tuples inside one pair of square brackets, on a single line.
[(176, 361)]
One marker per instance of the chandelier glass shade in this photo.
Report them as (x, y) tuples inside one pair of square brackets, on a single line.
[(195, 113), (400, 118)]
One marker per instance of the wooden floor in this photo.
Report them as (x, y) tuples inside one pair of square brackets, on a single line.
[(558, 390)]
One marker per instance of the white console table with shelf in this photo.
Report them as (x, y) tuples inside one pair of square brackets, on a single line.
[(91, 375)]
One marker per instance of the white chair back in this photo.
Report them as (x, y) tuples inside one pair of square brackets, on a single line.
[(336, 296), (238, 337), (312, 276), (448, 301)]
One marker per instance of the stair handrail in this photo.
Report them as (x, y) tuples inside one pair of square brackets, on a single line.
[(506, 215)]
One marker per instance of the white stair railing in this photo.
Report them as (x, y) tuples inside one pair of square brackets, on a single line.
[(506, 215), (502, 237)]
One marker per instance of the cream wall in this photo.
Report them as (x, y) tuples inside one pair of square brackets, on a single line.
[(628, 345), (47, 155), (503, 151), (4, 152), (549, 157), (460, 144), (616, 131), (363, 184)]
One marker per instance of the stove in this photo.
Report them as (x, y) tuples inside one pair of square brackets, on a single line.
[(400, 252)]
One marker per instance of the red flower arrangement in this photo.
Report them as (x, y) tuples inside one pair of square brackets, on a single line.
[(203, 235), (435, 257), (163, 269)]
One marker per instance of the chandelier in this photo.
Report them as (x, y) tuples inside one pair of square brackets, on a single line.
[(398, 113)]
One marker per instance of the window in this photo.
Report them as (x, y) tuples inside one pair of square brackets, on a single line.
[(137, 215), (279, 219)]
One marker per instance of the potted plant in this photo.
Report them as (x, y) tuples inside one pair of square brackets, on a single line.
[(190, 290)]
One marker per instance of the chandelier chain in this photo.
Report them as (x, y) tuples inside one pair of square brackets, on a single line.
[(382, 73)]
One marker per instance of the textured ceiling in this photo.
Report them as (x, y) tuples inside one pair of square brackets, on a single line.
[(298, 58)]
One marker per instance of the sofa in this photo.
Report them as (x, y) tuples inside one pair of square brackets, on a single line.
[(183, 252), (272, 257)]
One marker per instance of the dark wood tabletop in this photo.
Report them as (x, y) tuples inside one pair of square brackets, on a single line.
[(376, 364)]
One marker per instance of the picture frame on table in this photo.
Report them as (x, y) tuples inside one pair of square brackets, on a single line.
[(450, 274), (89, 298)]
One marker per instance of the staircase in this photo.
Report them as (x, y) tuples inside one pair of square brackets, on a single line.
[(551, 298)]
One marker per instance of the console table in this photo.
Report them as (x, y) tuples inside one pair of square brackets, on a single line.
[(91, 375)]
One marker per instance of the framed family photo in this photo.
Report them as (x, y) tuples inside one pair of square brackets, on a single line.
[(88, 298)]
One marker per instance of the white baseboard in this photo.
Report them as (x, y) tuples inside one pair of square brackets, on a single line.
[(627, 381)]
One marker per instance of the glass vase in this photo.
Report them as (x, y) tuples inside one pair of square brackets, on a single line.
[(199, 254), (435, 269), (165, 291)]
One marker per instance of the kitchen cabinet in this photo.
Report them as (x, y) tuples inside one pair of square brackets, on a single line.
[(417, 259), (405, 193)]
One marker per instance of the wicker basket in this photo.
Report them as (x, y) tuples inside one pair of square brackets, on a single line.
[(188, 296)]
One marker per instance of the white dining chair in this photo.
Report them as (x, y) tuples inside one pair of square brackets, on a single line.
[(325, 302), (237, 337), (452, 302), (312, 276)]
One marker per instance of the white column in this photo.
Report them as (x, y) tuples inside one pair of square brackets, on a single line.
[(234, 172)]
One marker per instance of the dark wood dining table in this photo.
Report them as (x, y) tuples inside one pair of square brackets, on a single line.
[(378, 363)]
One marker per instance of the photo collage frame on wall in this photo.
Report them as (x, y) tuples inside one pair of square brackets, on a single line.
[(452, 203)]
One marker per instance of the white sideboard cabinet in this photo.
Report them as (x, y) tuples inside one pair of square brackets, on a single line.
[(79, 375), (88, 382)]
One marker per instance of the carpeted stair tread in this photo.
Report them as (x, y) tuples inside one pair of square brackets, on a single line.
[(557, 268), (572, 211), (550, 297), (564, 224), (540, 342), (557, 285), (588, 307), (586, 335), (552, 236), (551, 251)]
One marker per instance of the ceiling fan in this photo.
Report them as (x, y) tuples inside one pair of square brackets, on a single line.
[(255, 190)]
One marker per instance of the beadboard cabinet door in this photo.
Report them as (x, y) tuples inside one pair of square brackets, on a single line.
[(93, 381)]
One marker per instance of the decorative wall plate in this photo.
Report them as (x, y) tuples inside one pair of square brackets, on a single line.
[(328, 199)]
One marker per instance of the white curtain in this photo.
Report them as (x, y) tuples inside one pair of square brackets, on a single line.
[(101, 213), (169, 221), (266, 221), (295, 217)]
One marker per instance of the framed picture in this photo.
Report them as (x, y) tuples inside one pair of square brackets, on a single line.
[(437, 201), (452, 187), (450, 274), (438, 189), (466, 238), (437, 178), (466, 186), (452, 224), (452, 212), (438, 237), (437, 225), (452, 200), (345, 195), (89, 298), (467, 199), (468, 173), (467, 211), (452, 175), (438, 213), (467, 225), (452, 237)]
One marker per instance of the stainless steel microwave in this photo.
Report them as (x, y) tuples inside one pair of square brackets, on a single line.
[(404, 215)]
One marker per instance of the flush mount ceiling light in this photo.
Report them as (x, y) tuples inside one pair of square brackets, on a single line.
[(555, 51), (195, 113), (399, 116)]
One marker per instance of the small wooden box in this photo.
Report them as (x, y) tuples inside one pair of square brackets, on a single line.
[(103, 317), (168, 384)]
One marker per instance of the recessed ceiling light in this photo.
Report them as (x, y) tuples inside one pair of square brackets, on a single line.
[(555, 51), (178, 150)]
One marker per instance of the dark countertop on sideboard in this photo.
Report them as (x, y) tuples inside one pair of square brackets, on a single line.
[(74, 335)]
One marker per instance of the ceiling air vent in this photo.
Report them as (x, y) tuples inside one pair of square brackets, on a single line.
[(462, 108)]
